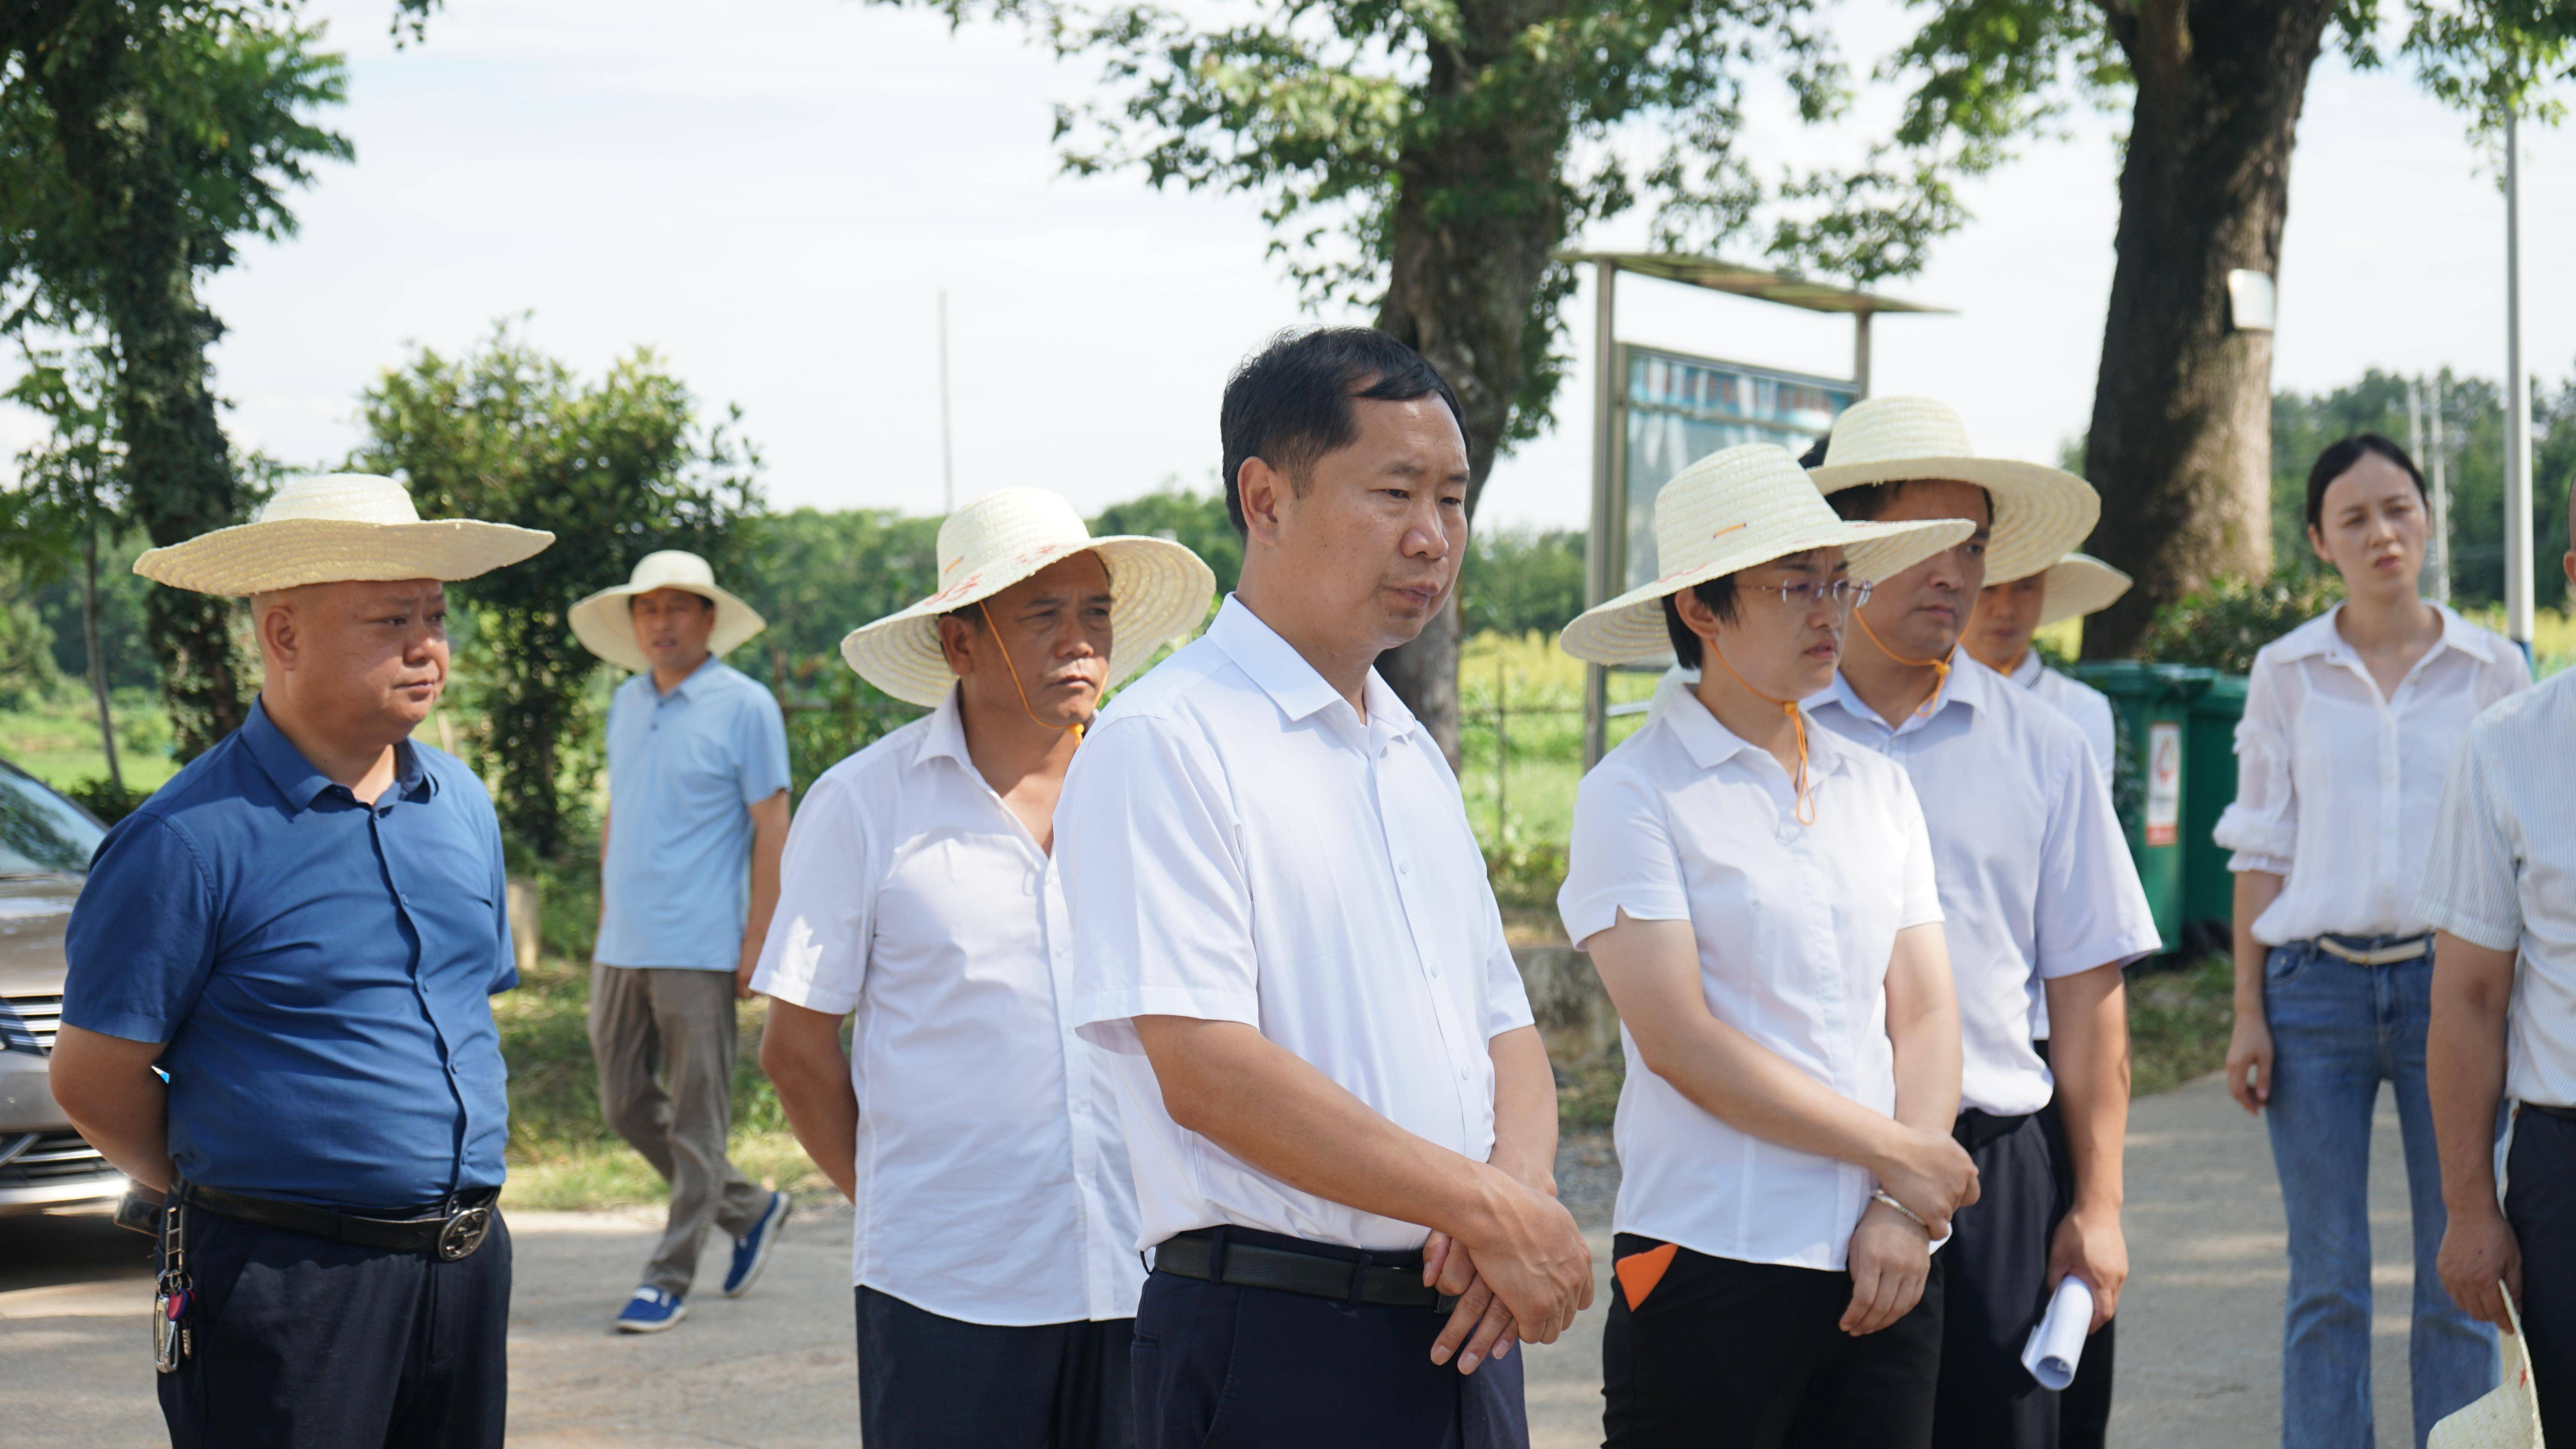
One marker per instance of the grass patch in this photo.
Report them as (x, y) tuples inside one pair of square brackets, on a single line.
[(2179, 1022)]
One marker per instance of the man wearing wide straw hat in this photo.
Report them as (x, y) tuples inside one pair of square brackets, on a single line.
[(1758, 897), (2039, 898), (994, 1254), (1335, 1100), (301, 932), (688, 876), (2008, 614)]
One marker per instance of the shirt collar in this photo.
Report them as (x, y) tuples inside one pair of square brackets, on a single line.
[(1966, 684), (2320, 637), (1711, 744), (946, 735), (299, 782), (2028, 671), (687, 686), (1275, 666)]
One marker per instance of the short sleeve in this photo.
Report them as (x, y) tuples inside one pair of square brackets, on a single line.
[(1621, 856), (760, 744), (142, 935), (2472, 885), (2091, 909), (816, 955), (2262, 826), (1922, 887), (1155, 883)]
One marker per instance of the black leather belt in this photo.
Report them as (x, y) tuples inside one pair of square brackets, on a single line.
[(2563, 1114), (452, 1230), (1249, 1259), (1977, 1127)]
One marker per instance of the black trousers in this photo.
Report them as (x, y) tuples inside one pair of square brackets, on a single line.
[(1997, 1290), (304, 1343), (2540, 1203), (2084, 1406), (1732, 1355), (928, 1382), (1230, 1367)]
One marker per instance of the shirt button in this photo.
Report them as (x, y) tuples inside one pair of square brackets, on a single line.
[(1404, 867)]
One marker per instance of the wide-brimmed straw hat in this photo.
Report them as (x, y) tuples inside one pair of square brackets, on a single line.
[(2040, 513), (2080, 584), (1158, 590), (338, 528), (1730, 511), (605, 628)]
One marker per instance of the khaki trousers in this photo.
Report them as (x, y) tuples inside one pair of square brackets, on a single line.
[(679, 1022)]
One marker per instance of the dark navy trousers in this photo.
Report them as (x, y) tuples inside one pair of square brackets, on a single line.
[(930, 1382), (304, 1343), (1220, 1366)]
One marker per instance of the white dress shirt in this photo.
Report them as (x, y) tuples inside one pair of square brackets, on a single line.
[(1240, 845), (2503, 875), (2090, 708), (993, 1184), (2036, 878), (2336, 787), (1684, 821)]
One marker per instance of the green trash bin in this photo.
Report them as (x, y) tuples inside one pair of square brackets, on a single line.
[(2150, 779), (2209, 767)]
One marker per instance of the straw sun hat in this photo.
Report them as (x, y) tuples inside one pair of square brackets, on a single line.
[(2080, 584), (2040, 513), (605, 628), (338, 528), (1159, 590), (1730, 511)]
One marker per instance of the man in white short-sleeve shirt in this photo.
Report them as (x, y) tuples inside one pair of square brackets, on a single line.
[(993, 1250), (2039, 898), (2501, 892), (2008, 614), (1336, 1104)]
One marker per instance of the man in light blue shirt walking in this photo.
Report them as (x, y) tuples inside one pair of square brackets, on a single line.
[(689, 854)]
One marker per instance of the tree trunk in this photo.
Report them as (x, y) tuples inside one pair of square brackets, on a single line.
[(89, 640), (1471, 238), (178, 465), (2182, 412)]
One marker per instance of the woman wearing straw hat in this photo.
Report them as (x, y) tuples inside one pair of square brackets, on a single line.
[(303, 929), (995, 1247), (2352, 721), (2040, 899), (688, 876), (1758, 897), (2008, 614)]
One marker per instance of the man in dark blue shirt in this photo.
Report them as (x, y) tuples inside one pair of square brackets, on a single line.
[(301, 932)]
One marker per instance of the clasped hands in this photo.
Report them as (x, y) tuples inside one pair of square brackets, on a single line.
[(1525, 1278)]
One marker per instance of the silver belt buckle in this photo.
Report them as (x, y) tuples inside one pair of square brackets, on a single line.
[(464, 1233)]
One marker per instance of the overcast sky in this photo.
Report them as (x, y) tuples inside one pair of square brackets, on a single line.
[(772, 200)]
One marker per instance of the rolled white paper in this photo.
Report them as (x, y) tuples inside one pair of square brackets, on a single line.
[(2057, 1345)]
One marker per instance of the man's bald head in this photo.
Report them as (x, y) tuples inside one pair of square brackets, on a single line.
[(360, 661)]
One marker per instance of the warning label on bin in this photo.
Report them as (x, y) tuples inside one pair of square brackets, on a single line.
[(2164, 783)]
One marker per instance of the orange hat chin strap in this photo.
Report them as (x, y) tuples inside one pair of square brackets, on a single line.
[(996, 631), (1806, 808), (1940, 667)]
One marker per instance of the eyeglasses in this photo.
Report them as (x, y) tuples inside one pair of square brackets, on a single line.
[(1844, 594)]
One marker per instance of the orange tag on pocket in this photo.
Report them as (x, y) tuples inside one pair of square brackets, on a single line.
[(1638, 1273)]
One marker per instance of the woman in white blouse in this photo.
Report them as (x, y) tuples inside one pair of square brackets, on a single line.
[(2351, 720), (1757, 895)]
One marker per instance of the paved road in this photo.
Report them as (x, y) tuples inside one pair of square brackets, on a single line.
[(2199, 1352)]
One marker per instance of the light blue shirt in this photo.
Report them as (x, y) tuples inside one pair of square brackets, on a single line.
[(683, 770)]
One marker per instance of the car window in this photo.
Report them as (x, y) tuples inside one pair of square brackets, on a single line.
[(40, 831)]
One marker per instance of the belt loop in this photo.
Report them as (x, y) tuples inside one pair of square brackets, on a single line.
[(1216, 1253), (1359, 1279)]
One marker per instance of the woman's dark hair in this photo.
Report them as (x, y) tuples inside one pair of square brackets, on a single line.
[(1719, 594), (2339, 458), (1290, 403)]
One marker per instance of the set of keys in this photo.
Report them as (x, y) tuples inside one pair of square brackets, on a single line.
[(172, 1338)]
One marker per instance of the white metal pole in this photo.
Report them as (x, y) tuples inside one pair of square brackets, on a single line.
[(1609, 514), (1860, 353), (2439, 565), (2517, 407), (947, 460)]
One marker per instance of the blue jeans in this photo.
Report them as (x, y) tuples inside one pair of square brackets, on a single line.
[(2338, 1031)]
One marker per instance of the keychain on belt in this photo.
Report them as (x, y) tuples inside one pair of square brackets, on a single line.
[(172, 1339)]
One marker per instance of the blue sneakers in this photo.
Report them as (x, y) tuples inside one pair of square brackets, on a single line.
[(751, 1250), (650, 1311)]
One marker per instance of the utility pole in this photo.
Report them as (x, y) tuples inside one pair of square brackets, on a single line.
[(1601, 580), (2439, 566), (947, 461), (2517, 407)]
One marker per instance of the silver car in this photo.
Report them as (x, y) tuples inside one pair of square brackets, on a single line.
[(45, 845)]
